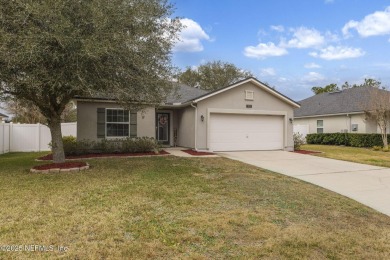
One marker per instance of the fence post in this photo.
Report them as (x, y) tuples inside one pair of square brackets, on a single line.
[(10, 136), (3, 135), (39, 136), (9, 144)]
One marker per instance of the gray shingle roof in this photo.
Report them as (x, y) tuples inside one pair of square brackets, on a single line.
[(2, 115), (346, 101), (181, 93), (184, 93)]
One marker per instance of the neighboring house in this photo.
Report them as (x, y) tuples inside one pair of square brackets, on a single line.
[(247, 115), (335, 112), (3, 117)]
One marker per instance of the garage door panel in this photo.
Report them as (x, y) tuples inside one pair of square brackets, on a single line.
[(235, 132)]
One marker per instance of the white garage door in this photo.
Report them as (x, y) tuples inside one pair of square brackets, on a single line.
[(241, 132)]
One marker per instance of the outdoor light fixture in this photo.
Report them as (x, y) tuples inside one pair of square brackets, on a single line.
[(202, 118), (291, 120)]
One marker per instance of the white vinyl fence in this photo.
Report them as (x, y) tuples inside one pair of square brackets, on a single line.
[(29, 137)]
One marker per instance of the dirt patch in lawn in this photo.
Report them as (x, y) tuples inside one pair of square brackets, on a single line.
[(305, 152), (192, 152), (49, 157)]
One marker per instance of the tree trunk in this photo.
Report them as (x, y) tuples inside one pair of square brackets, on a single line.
[(383, 127), (384, 139), (56, 140)]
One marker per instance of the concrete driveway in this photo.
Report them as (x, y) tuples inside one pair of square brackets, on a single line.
[(369, 185)]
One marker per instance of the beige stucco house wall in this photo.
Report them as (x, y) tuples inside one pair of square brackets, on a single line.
[(233, 101), (87, 119), (339, 123), (189, 120), (186, 127)]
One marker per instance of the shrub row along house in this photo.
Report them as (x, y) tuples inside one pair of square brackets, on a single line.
[(247, 115), (342, 111)]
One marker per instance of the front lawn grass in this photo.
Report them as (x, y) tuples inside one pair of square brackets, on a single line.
[(180, 208), (352, 154)]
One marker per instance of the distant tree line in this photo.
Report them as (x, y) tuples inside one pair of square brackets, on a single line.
[(334, 87), (212, 75)]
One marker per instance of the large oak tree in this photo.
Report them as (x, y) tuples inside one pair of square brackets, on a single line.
[(52, 51)]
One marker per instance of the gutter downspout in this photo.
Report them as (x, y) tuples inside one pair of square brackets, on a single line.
[(196, 117)]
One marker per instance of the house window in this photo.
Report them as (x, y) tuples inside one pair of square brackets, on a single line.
[(320, 126), (249, 95), (117, 123)]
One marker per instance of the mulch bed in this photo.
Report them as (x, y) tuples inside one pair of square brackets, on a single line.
[(192, 152), (60, 167), (49, 157), (305, 151), (65, 165)]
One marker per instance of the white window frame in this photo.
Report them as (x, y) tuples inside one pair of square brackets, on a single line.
[(320, 127), (249, 95), (123, 123)]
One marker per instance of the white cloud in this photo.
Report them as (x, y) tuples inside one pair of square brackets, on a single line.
[(278, 28), (264, 50), (331, 37), (377, 23), (313, 77), (304, 38), (312, 65), (338, 53), (267, 72), (190, 37), (282, 79)]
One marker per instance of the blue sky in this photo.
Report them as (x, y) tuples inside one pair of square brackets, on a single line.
[(292, 45)]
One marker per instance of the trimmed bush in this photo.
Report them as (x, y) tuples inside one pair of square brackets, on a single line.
[(128, 145), (347, 139)]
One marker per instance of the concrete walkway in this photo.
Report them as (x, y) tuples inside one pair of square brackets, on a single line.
[(369, 185), (177, 151)]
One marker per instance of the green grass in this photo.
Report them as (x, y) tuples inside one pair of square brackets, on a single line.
[(352, 154), (180, 208)]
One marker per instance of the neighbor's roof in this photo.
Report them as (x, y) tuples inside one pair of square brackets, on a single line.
[(352, 100), (2, 115)]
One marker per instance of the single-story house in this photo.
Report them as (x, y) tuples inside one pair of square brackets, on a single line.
[(3, 117), (247, 115), (337, 112)]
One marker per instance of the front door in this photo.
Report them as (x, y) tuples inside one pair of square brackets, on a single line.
[(162, 128)]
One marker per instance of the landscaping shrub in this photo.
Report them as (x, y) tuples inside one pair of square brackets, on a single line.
[(128, 145), (299, 140), (347, 139), (70, 143)]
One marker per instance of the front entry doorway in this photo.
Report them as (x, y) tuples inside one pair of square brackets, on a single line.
[(162, 128)]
